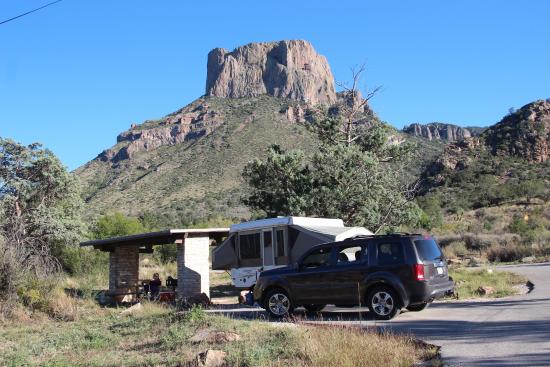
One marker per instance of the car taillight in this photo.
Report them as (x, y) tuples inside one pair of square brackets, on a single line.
[(418, 271)]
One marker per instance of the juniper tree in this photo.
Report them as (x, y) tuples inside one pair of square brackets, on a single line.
[(40, 207), (356, 172)]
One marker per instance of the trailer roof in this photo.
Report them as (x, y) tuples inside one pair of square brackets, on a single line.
[(282, 221)]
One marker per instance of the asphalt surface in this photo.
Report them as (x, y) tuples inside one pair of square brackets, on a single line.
[(511, 331)]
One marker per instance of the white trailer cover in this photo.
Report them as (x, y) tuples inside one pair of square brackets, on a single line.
[(305, 237)]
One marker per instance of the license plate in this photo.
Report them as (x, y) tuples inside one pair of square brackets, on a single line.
[(440, 271)]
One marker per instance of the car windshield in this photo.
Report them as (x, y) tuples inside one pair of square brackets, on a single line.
[(428, 249)]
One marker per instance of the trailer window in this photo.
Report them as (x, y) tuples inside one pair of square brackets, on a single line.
[(249, 246)]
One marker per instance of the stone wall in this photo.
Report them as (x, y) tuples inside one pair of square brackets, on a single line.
[(194, 266), (123, 269)]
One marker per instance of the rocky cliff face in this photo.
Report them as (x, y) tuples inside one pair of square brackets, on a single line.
[(440, 131), (524, 133), (192, 122), (289, 69)]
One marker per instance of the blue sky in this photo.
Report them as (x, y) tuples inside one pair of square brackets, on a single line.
[(76, 74)]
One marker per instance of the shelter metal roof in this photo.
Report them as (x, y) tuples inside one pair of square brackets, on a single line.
[(154, 238)]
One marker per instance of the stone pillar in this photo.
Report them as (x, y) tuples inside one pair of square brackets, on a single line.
[(194, 266), (124, 271)]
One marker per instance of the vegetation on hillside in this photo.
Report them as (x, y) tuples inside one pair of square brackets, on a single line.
[(354, 173)]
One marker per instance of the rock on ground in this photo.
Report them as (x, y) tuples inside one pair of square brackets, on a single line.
[(213, 336), (211, 358)]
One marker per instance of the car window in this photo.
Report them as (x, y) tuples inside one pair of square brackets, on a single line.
[(390, 253), (318, 258), (428, 250), (350, 255)]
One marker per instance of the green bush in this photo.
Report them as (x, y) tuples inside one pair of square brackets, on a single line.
[(77, 260), (117, 224)]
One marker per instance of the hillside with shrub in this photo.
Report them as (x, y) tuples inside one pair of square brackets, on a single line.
[(490, 193)]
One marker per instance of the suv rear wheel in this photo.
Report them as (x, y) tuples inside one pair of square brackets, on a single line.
[(277, 303), (384, 303)]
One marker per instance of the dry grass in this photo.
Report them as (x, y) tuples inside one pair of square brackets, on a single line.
[(159, 336), (334, 346), (469, 280), (148, 267)]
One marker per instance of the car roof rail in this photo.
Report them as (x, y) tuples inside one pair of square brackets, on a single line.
[(393, 234)]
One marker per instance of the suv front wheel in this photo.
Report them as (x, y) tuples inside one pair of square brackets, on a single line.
[(277, 303), (384, 303)]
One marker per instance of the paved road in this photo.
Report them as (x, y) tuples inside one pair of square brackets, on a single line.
[(512, 331)]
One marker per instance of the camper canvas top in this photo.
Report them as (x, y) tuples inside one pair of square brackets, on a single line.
[(285, 221)]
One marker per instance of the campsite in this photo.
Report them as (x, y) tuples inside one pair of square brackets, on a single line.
[(215, 184)]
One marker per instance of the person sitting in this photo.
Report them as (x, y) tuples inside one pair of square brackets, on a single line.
[(172, 283), (154, 286)]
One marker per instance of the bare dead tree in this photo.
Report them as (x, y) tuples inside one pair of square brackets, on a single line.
[(352, 107)]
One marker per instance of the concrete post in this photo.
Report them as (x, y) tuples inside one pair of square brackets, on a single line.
[(193, 265)]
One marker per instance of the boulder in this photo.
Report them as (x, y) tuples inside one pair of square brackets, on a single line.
[(213, 336), (211, 358), (528, 259), (485, 290), (135, 309)]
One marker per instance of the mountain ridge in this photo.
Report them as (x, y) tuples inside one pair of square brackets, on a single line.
[(189, 163)]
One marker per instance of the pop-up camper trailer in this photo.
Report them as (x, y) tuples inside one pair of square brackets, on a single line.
[(252, 247)]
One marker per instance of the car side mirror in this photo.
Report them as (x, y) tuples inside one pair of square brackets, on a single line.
[(296, 266)]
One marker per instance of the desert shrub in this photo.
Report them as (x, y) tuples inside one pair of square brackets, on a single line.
[(455, 249), (508, 252), (480, 242), (47, 296), (432, 214), (77, 260), (11, 276), (445, 240)]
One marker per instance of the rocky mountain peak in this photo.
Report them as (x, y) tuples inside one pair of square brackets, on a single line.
[(289, 69), (524, 133)]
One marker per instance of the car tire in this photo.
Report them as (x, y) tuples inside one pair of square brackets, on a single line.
[(314, 308), (277, 303), (418, 307), (384, 303)]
